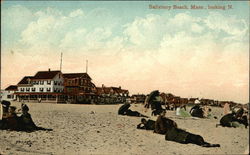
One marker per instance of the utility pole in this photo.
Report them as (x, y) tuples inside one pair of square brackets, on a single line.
[(86, 66), (61, 62)]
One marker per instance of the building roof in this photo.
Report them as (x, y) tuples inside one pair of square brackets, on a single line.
[(76, 75), (11, 87), (25, 80), (108, 90), (45, 74)]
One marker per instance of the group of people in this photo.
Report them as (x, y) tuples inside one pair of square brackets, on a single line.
[(169, 128), (164, 125), (11, 121), (234, 119)]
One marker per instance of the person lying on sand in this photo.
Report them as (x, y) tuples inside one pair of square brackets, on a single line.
[(26, 123), (168, 127), (124, 110), (146, 124), (162, 123), (184, 137)]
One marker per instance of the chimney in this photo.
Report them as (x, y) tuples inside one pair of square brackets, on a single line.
[(102, 85), (49, 69), (120, 87)]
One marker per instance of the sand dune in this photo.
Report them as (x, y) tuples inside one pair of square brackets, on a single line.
[(97, 129)]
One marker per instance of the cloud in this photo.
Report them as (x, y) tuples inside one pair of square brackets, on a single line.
[(76, 13), (180, 53), (231, 25), (16, 17)]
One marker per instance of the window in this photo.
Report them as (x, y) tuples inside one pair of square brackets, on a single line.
[(37, 82), (41, 82), (55, 82), (34, 82), (27, 89), (41, 89), (22, 89), (48, 82), (33, 89), (48, 89), (9, 96)]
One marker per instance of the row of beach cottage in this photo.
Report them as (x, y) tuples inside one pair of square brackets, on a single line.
[(57, 87)]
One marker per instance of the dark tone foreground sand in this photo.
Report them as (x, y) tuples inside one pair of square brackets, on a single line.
[(97, 129)]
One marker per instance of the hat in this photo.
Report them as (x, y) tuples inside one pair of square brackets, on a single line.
[(25, 107)]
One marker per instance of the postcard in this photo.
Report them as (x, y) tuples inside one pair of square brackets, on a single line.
[(124, 77)]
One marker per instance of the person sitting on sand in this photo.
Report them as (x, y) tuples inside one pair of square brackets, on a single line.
[(6, 105), (146, 124), (26, 123), (12, 119), (239, 113), (197, 111), (4, 114), (244, 120), (156, 108), (230, 120)]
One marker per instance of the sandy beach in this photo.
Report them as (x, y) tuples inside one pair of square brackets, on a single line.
[(98, 129)]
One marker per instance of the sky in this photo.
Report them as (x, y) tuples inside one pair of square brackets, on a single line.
[(190, 53)]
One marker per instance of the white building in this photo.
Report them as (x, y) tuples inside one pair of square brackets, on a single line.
[(9, 93), (45, 86)]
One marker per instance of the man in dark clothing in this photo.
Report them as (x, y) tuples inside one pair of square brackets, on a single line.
[(196, 111), (146, 124), (239, 113), (184, 137), (162, 123), (168, 127), (156, 108), (124, 110), (228, 119), (12, 119)]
